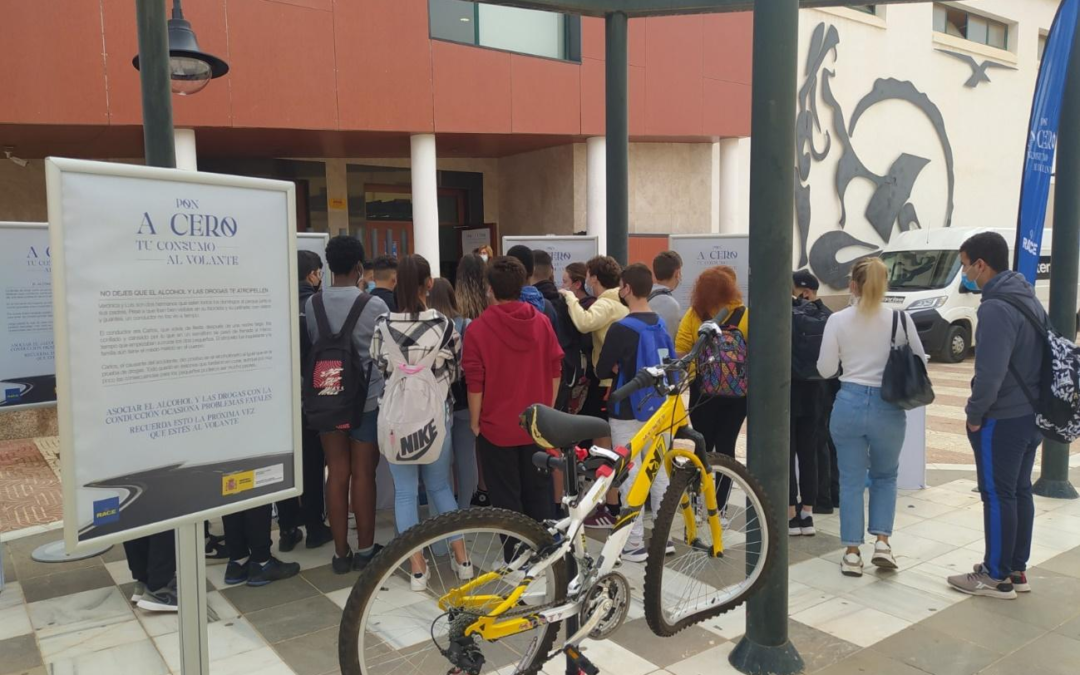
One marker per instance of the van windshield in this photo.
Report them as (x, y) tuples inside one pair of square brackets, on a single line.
[(920, 270)]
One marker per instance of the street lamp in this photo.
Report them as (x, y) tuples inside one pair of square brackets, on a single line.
[(190, 68)]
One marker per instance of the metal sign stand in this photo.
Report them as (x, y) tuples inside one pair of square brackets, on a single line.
[(191, 596), (54, 552)]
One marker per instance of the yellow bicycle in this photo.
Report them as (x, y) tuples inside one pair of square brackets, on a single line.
[(712, 541)]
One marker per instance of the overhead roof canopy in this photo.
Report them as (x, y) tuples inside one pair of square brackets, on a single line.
[(640, 8)]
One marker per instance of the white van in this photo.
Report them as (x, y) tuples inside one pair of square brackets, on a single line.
[(924, 279)]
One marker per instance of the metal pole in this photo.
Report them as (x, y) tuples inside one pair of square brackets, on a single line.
[(191, 596), (155, 80), (766, 647), (616, 106), (1054, 479)]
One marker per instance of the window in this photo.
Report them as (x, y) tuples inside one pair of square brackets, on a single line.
[(1042, 46), (527, 31), (869, 9), (920, 270), (962, 24)]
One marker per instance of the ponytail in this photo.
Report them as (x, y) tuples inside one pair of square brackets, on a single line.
[(870, 276), (413, 273)]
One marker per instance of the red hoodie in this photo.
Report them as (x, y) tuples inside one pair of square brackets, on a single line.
[(511, 356)]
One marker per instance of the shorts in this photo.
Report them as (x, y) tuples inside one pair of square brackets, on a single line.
[(368, 431)]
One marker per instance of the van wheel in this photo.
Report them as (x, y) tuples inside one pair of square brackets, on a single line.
[(957, 343)]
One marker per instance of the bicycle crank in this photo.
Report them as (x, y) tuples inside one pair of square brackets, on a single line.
[(605, 607)]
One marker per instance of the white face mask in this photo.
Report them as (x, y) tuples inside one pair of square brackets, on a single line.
[(483, 256)]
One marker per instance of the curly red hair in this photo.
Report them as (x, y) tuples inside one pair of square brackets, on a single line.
[(715, 289)]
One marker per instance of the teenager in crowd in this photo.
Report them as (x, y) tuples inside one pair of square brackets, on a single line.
[(867, 430), (667, 269), (386, 278), (152, 561), (351, 458), (417, 331), (716, 296), (573, 280), (512, 360), (367, 282), (247, 538), (529, 293), (473, 297), (306, 510), (637, 341), (602, 279), (442, 299), (485, 253)]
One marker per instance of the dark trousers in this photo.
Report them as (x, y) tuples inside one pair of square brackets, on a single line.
[(1004, 457), (308, 509), (152, 560), (719, 420), (828, 485), (514, 482), (247, 533), (804, 448)]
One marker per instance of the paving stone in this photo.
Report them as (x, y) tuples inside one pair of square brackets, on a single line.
[(1067, 563), (1052, 654), (324, 579), (19, 655), (295, 619), (818, 545), (114, 554), (66, 583), (818, 649), (870, 662), (314, 654), (253, 598), (639, 638), (967, 621), (28, 568), (1055, 599), (1070, 629), (936, 652)]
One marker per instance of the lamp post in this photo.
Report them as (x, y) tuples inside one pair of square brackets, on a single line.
[(170, 62)]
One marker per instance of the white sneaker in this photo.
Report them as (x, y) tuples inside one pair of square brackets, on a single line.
[(636, 555), (883, 556), (418, 582), (851, 565), (464, 571), (669, 549)]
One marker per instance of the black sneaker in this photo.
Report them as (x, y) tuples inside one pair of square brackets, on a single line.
[(215, 547), (288, 539), (342, 565), (794, 527), (806, 526), (236, 573), (360, 561), (271, 570), (318, 536), (480, 498), (161, 600)]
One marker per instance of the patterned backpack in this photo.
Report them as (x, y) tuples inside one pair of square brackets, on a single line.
[(721, 365)]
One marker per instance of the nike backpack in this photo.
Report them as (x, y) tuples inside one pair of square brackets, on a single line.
[(721, 366), (335, 382), (412, 413)]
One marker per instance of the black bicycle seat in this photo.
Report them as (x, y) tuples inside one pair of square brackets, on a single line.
[(550, 428)]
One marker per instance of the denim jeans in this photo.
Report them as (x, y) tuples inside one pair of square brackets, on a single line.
[(868, 434), (436, 476)]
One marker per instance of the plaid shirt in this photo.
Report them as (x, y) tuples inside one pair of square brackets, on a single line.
[(416, 335)]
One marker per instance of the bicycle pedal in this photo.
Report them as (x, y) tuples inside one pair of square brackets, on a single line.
[(580, 661)]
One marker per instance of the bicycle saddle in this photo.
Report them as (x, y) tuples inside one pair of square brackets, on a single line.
[(550, 428)]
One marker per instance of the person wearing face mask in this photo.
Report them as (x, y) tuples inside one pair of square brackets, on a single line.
[(485, 253), (385, 280), (667, 268), (367, 282), (1000, 416)]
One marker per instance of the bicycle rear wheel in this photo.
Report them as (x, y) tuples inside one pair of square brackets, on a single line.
[(389, 628), (692, 585)]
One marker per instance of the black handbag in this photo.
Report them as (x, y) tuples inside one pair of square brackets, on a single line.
[(905, 383)]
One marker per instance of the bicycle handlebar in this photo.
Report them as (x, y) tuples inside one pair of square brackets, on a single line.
[(649, 376)]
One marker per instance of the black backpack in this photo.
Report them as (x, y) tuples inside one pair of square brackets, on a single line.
[(574, 383), (335, 381), (808, 321)]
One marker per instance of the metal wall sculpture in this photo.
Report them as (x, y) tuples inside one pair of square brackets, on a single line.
[(978, 70), (890, 204)]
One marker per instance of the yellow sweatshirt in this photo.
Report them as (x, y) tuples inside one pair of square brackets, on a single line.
[(691, 322), (597, 319)]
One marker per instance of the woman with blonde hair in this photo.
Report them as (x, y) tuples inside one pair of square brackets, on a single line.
[(868, 431)]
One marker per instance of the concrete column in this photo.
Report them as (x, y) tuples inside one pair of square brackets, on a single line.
[(337, 197), (425, 202), (186, 158), (726, 187), (596, 191)]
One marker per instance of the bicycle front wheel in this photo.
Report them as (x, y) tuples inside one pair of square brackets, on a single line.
[(393, 623), (694, 585)]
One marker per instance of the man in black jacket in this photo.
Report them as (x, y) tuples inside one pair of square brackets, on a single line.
[(385, 267), (306, 510)]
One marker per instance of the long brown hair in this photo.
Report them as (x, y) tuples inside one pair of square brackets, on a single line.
[(413, 273), (441, 297), (472, 287), (715, 289)]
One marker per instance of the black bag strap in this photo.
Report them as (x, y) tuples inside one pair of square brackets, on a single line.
[(320, 314), (354, 315)]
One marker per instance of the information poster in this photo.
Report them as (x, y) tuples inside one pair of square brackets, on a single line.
[(474, 238), (316, 243), (701, 251), (27, 374), (177, 365), (563, 250)]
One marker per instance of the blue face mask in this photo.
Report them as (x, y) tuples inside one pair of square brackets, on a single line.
[(968, 283), (370, 286)]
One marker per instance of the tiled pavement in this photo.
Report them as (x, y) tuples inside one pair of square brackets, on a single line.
[(29, 483)]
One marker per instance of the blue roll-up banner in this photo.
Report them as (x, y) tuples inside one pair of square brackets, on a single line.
[(1042, 139)]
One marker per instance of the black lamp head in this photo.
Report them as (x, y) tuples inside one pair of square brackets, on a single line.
[(190, 68)]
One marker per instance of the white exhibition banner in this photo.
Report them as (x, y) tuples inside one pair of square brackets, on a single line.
[(701, 251), (474, 238), (912, 471), (27, 374), (316, 243), (174, 294), (564, 250)]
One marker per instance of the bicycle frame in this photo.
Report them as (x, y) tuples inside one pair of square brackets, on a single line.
[(653, 445)]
